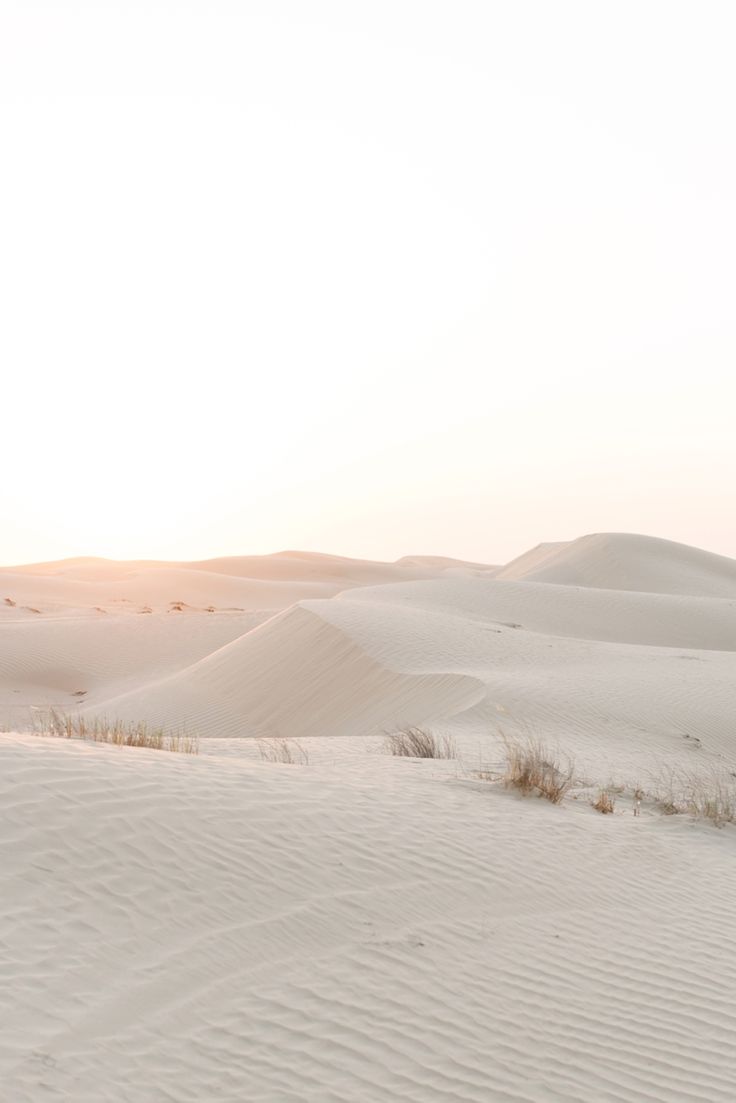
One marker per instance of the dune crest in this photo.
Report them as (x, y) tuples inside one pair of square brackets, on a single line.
[(622, 561), (296, 675)]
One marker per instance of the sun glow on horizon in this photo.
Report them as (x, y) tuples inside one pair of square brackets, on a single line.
[(375, 281)]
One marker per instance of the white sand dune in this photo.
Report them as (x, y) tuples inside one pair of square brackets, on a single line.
[(576, 662), (295, 675), (626, 700), (619, 561), (613, 616), (119, 630), (58, 662), (366, 928), (157, 587), (338, 570), (287, 566), (177, 928), (446, 564)]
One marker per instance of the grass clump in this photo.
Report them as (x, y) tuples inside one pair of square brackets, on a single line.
[(290, 752), (709, 796), (418, 743), (116, 733), (532, 768), (605, 802), (712, 799)]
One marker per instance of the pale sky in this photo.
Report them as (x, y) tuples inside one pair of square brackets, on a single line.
[(364, 277)]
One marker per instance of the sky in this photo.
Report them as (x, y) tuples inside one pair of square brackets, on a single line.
[(364, 277)]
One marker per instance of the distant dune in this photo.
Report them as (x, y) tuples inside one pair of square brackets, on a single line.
[(593, 632), (617, 561)]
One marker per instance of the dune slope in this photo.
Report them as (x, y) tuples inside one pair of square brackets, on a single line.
[(212, 929), (295, 675)]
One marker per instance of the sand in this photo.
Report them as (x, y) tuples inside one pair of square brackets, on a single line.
[(364, 927)]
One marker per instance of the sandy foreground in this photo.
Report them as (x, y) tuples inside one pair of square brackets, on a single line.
[(361, 927)]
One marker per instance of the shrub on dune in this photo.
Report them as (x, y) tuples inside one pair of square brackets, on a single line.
[(115, 732), (418, 743), (290, 752), (605, 802), (711, 798), (704, 796), (532, 768)]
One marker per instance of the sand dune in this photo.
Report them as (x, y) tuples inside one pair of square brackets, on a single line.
[(59, 662), (614, 616), (618, 561), (295, 675), (129, 590), (445, 564), (314, 566), (569, 660), (630, 701), (246, 582), (367, 928), (289, 566)]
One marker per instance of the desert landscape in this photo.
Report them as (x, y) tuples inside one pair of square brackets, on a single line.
[(345, 882), (442, 807)]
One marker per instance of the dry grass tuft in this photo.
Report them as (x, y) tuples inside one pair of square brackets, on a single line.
[(712, 799), (418, 743), (710, 796), (117, 733), (669, 807), (290, 752), (605, 802), (532, 768)]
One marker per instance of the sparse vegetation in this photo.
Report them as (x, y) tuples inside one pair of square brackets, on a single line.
[(605, 802), (532, 768), (717, 804), (709, 796), (181, 743), (669, 807), (418, 743), (284, 750), (9, 601), (117, 733)]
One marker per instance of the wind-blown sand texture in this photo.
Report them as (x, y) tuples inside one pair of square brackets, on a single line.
[(366, 928)]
